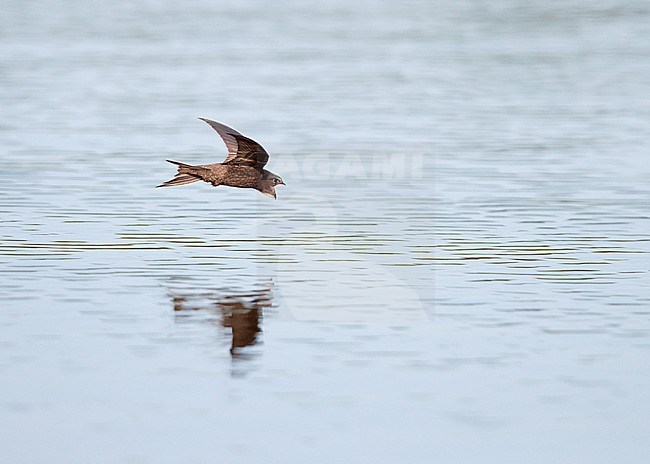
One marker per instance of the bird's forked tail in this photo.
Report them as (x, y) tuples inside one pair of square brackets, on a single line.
[(184, 176)]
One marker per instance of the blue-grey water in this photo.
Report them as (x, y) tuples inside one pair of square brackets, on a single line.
[(457, 270)]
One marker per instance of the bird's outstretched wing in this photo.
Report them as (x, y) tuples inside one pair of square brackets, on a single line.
[(241, 149)]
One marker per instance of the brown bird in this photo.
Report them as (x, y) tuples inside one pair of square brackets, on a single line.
[(243, 167)]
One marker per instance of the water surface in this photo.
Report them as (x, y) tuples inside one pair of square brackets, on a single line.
[(457, 270)]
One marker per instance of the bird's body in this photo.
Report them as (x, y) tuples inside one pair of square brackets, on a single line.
[(243, 167)]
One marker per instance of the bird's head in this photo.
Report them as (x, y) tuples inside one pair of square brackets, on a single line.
[(269, 183)]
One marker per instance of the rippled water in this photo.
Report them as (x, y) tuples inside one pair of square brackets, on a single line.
[(457, 270)]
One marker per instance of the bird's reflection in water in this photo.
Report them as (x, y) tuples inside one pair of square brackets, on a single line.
[(240, 312)]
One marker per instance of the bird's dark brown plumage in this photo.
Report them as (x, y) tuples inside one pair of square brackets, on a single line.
[(243, 167)]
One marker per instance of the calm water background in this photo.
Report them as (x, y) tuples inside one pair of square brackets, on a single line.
[(457, 270)]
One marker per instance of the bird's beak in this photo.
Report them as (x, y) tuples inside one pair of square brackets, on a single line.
[(282, 182)]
